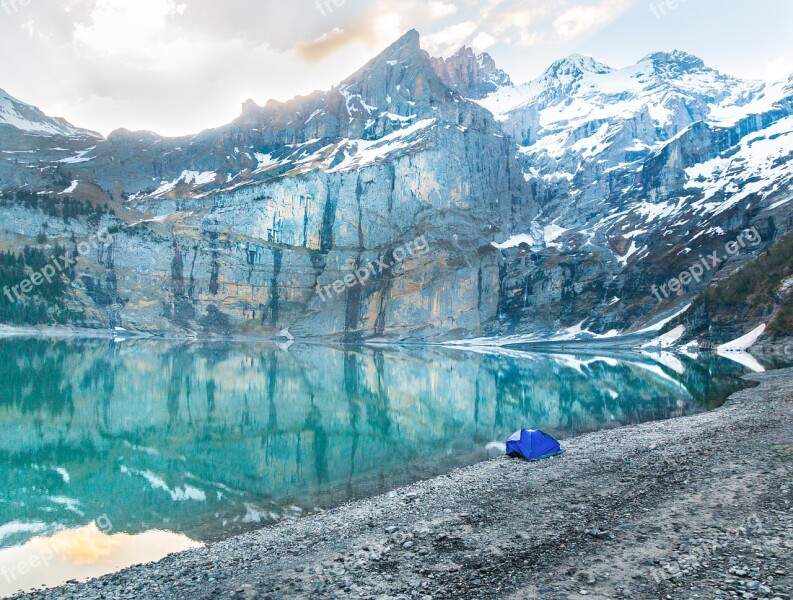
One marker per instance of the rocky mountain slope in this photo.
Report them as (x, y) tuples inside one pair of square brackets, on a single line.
[(761, 292), (16, 116), (641, 170), (467, 205)]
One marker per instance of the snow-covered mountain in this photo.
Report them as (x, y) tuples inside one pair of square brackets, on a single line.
[(594, 135), (579, 89), (553, 205), (640, 167), (31, 120), (33, 144)]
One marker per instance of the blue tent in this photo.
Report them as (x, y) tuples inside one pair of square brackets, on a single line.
[(532, 444)]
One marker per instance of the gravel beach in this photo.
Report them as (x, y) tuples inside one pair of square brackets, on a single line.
[(695, 507)]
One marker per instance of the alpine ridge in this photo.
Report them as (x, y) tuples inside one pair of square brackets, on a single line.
[(550, 208)]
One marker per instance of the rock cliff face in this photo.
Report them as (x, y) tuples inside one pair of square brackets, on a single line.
[(421, 198), (472, 75)]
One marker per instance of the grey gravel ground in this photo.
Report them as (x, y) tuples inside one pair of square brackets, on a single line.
[(696, 507)]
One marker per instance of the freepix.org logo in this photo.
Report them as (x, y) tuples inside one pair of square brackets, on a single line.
[(325, 7), (417, 247), (664, 7), (11, 7), (696, 272), (55, 267)]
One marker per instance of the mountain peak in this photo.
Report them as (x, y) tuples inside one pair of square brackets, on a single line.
[(31, 120), (404, 51), (470, 74), (409, 43), (405, 48), (6, 96), (563, 75), (674, 62), (578, 63)]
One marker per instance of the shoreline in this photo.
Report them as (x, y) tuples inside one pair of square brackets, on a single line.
[(671, 508), (629, 342)]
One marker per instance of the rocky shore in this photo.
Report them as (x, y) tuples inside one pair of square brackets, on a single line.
[(695, 507)]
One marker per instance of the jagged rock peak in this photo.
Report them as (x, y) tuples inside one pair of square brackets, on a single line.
[(250, 107), (675, 62), (577, 65), (564, 75), (406, 50), (410, 43), (472, 75)]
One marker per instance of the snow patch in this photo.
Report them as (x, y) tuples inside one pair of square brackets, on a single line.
[(70, 189), (177, 494), (662, 323), (743, 343), (668, 339), (365, 152), (188, 177), (515, 241), (80, 157)]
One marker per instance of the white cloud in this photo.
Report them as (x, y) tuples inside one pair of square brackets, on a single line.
[(29, 28), (121, 26), (777, 69), (450, 39), (483, 41), (439, 10), (582, 18)]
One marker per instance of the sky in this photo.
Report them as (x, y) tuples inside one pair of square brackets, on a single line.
[(180, 66)]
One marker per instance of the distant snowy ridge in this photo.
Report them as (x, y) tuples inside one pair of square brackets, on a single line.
[(31, 120)]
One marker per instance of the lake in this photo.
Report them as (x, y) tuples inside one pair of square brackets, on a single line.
[(118, 452)]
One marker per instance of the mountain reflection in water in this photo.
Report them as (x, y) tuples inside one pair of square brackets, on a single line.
[(210, 439)]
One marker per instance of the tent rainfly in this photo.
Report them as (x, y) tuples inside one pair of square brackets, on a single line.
[(532, 444)]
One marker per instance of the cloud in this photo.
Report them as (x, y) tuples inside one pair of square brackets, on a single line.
[(440, 10), (777, 69), (483, 41), (373, 30), (120, 26), (448, 24), (449, 39), (521, 25), (382, 23), (334, 40), (582, 18)]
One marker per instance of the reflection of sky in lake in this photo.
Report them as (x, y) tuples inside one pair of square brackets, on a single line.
[(210, 439), (80, 554)]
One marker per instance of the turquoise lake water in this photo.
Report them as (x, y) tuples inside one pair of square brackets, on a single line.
[(211, 439)]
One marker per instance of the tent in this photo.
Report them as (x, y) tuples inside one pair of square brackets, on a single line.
[(532, 444)]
